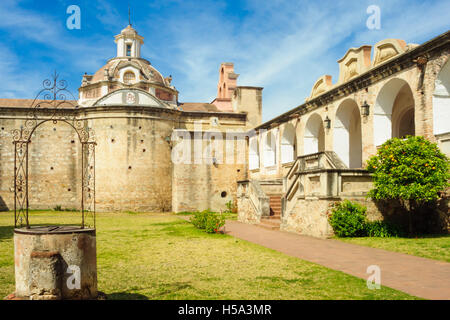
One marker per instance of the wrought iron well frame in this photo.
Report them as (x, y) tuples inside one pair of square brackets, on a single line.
[(53, 107)]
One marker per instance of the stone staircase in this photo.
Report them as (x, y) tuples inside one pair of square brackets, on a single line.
[(273, 221)]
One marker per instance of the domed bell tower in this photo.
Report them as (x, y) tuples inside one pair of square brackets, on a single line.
[(129, 43)]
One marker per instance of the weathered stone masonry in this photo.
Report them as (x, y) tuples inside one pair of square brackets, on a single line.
[(133, 111), (319, 149)]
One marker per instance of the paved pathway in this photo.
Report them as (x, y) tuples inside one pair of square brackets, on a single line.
[(417, 276)]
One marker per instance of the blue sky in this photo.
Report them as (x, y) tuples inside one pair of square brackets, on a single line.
[(283, 46)]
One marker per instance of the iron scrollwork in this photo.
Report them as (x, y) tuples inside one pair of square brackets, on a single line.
[(51, 104)]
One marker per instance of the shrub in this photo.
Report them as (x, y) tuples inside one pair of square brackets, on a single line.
[(348, 219), (214, 222), (209, 221), (199, 219), (381, 229)]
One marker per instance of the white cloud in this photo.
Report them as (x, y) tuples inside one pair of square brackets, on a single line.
[(283, 46)]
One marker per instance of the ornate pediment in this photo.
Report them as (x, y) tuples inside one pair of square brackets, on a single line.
[(355, 62), (387, 49), (131, 97), (322, 85)]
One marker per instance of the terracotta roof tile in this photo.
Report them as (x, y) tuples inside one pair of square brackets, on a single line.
[(27, 103), (199, 106)]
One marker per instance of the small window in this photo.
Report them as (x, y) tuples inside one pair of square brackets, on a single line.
[(128, 50), (128, 77)]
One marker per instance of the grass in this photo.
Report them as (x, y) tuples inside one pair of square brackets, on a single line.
[(435, 247), (160, 256), (228, 215)]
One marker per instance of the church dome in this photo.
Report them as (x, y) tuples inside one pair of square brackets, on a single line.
[(113, 67), (127, 70)]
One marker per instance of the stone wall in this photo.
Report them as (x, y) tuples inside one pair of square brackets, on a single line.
[(203, 184), (54, 165), (134, 169), (133, 166)]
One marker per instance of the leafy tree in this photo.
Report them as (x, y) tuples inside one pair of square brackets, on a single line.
[(412, 170)]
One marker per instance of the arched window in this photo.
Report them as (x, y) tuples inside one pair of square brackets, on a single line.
[(270, 148), (393, 112), (314, 137), (253, 153), (288, 143), (347, 134), (441, 101), (129, 77)]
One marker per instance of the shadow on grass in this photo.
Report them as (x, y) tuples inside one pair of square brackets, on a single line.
[(6, 232), (422, 236), (171, 288), (168, 289), (126, 296)]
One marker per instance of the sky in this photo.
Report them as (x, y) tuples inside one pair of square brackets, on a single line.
[(281, 45)]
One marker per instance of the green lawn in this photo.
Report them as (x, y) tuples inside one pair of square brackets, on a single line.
[(432, 247), (157, 256)]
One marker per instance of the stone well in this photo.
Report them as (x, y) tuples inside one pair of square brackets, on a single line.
[(55, 262)]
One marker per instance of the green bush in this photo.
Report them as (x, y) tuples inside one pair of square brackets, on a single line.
[(214, 222), (409, 169), (412, 170), (348, 219), (207, 220), (381, 229), (199, 219)]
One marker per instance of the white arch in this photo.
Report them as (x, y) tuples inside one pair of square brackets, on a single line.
[(441, 101), (382, 118), (253, 153), (347, 134), (287, 143), (270, 154), (313, 139)]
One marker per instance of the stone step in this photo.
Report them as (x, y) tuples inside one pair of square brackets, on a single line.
[(271, 224), (271, 221), (269, 227), (275, 205)]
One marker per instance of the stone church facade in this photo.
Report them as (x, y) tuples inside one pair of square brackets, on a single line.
[(134, 112), (283, 173)]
